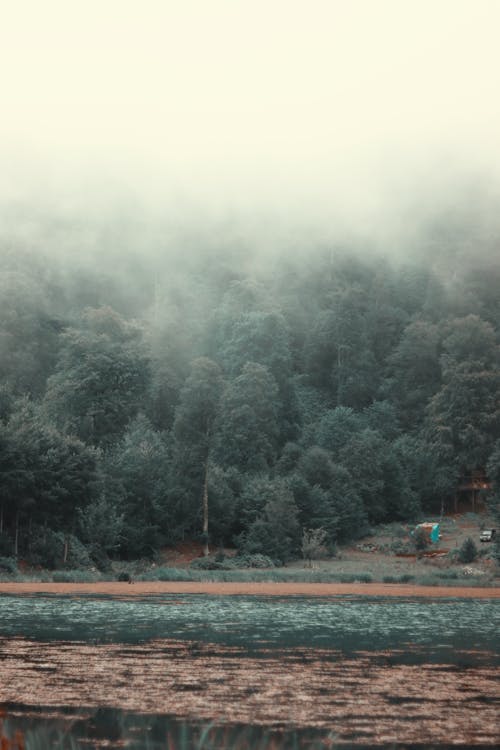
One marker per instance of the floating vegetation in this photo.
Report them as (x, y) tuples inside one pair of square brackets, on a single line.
[(243, 673)]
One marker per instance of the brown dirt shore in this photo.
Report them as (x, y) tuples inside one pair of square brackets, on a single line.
[(144, 588)]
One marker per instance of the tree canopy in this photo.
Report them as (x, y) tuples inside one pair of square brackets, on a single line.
[(241, 405)]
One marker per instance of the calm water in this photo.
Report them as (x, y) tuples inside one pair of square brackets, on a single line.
[(233, 672)]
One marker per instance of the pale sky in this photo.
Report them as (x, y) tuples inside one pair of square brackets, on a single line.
[(247, 100)]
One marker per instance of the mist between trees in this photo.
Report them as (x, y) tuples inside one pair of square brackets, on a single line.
[(203, 398)]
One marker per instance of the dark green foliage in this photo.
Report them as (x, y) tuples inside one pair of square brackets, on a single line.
[(8, 565), (313, 544), (207, 563), (336, 393), (317, 467), (100, 379), (193, 432), (289, 459), (405, 578), (421, 540), (135, 510), (260, 337), (496, 550), (493, 469), (275, 531), (6, 402), (223, 487), (336, 428), (46, 474), (468, 551), (6, 545), (101, 525), (251, 561), (28, 333), (463, 417), (247, 424), (415, 371), (74, 576), (48, 549), (213, 562)]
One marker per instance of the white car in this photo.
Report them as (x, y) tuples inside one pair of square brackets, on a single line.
[(487, 535)]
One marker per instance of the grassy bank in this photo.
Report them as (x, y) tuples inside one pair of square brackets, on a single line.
[(274, 575)]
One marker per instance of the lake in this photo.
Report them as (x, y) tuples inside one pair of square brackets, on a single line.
[(248, 672)]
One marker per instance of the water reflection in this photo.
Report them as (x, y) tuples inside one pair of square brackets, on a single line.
[(335, 623), (361, 672)]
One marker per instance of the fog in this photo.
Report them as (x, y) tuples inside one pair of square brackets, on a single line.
[(278, 124), (249, 250)]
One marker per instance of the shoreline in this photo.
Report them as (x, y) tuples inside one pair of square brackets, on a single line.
[(145, 588)]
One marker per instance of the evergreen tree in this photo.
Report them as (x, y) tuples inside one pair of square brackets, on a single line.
[(194, 432), (100, 378), (247, 425), (137, 489), (276, 531)]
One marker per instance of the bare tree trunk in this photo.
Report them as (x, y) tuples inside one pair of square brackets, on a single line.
[(66, 550), (339, 365), (16, 536), (1, 518), (30, 520), (205, 510)]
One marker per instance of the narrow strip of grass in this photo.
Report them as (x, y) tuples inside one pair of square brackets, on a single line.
[(278, 575), (254, 575)]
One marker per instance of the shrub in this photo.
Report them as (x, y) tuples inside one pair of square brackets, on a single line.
[(429, 580), (206, 563), (6, 545), (276, 531), (496, 550), (169, 574), (8, 565), (406, 578), (100, 559), (212, 562), (73, 576), (449, 575), (468, 551), (356, 578), (421, 540), (400, 547), (256, 560), (313, 544), (47, 550)]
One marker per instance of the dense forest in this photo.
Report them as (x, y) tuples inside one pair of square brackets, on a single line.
[(238, 399)]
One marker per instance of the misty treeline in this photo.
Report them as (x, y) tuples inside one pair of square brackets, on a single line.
[(203, 399)]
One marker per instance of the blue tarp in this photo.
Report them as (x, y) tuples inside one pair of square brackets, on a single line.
[(432, 529)]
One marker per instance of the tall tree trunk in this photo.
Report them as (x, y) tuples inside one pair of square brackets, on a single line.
[(30, 520), (339, 365), (16, 535), (1, 518), (205, 510), (66, 550)]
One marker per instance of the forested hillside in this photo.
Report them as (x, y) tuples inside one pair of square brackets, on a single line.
[(205, 396)]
